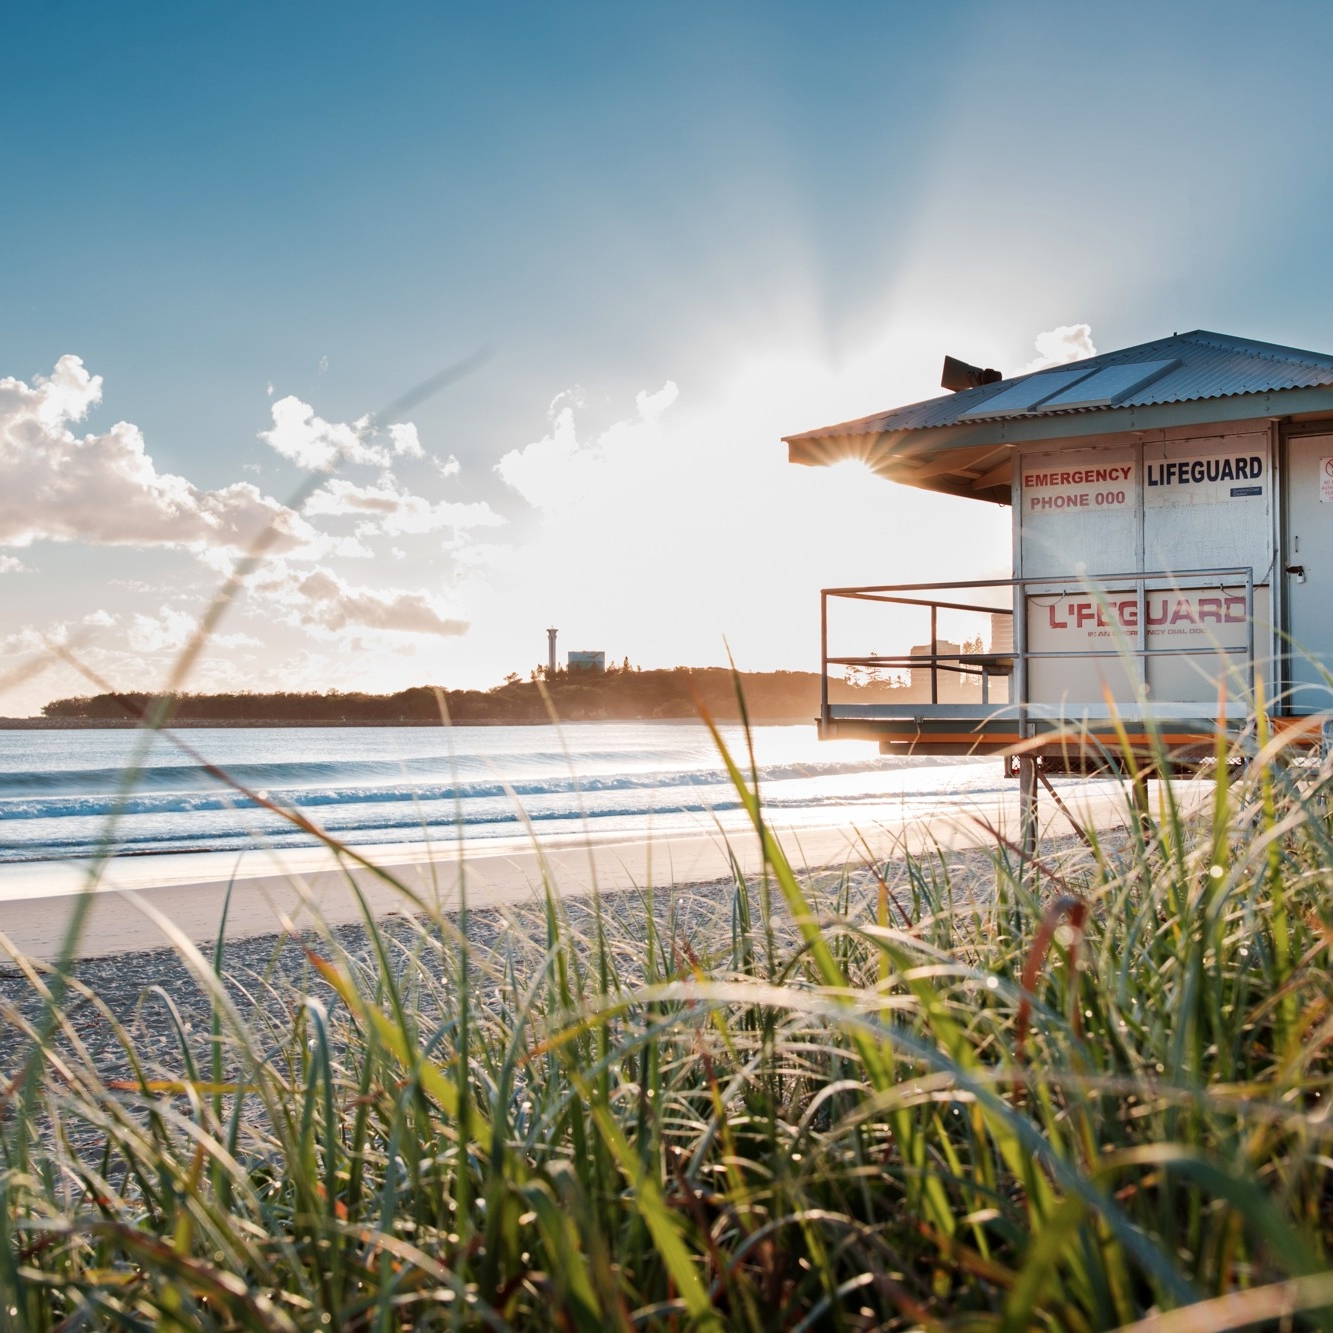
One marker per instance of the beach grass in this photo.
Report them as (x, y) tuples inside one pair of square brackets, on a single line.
[(1085, 1091)]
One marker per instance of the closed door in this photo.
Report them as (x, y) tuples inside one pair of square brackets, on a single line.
[(1308, 562)]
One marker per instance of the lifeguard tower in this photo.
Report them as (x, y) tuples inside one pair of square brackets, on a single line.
[(1172, 555)]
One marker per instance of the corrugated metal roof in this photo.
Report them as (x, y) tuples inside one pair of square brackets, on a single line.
[(1211, 365)]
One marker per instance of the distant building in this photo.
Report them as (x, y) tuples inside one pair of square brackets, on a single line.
[(593, 662), (920, 675)]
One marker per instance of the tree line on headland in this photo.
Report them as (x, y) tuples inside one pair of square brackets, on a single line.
[(620, 694)]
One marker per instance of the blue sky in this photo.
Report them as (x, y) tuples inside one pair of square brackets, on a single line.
[(678, 231)]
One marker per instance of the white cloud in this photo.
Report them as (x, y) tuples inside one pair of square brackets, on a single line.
[(384, 509), (652, 405), (319, 600), (134, 651), (168, 631), (105, 489), (11, 564), (1058, 347), (339, 497), (470, 558), (348, 548), (406, 444), (318, 445), (450, 467), (236, 640), (558, 470), (321, 446)]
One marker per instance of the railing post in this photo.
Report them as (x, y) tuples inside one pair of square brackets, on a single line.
[(1249, 622), (1027, 804), (1020, 633), (1139, 788), (1141, 593), (823, 659), (1027, 763), (934, 651)]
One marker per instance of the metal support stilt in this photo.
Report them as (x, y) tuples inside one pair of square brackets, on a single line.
[(1140, 789), (1027, 804)]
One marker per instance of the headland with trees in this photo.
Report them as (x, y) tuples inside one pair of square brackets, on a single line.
[(621, 693)]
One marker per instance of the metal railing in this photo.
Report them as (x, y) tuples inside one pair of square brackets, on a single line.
[(1129, 641)]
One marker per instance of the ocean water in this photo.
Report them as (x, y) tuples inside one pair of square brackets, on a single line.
[(64, 794)]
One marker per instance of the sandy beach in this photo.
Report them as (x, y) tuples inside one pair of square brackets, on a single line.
[(275, 891)]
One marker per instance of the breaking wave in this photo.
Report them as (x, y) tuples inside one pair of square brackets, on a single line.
[(387, 784)]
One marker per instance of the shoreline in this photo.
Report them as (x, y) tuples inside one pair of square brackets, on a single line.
[(278, 891), (236, 724)]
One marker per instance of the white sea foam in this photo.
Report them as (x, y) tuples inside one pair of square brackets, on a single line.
[(59, 789)]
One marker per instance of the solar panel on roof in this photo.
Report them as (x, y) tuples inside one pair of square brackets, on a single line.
[(1026, 394), (1110, 384)]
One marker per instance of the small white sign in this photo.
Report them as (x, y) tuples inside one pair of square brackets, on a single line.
[(1326, 481)]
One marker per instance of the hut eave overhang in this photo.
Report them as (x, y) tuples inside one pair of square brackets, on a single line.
[(962, 443)]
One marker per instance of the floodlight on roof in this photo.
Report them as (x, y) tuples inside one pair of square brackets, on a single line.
[(958, 375)]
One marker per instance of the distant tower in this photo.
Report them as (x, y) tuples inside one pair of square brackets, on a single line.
[(550, 644)]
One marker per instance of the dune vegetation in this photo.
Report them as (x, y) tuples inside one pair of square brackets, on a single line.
[(1086, 1091)]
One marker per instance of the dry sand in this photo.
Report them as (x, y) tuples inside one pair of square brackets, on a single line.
[(147, 993)]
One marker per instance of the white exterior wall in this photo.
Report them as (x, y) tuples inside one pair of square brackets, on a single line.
[(1179, 500), (1091, 524), (1193, 526)]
